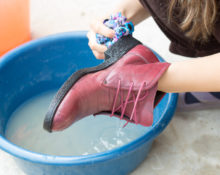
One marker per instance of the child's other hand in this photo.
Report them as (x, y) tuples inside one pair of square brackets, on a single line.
[(97, 26)]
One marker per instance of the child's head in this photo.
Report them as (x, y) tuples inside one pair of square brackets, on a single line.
[(197, 17)]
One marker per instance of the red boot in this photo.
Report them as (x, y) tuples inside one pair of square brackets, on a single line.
[(125, 88)]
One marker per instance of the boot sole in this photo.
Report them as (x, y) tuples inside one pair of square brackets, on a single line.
[(112, 55)]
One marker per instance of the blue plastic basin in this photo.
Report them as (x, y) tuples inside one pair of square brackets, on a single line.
[(44, 64)]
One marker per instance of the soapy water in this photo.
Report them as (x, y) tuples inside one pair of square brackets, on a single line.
[(87, 136)]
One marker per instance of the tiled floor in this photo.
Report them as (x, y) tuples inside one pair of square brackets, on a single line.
[(189, 145)]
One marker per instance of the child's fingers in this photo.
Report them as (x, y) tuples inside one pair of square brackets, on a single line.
[(97, 49), (98, 55), (98, 27), (93, 44)]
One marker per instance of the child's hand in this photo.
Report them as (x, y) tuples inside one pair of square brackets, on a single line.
[(97, 26)]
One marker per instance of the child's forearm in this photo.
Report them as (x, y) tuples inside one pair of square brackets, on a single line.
[(132, 10), (200, 75)]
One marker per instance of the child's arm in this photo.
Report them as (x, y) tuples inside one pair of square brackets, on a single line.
[(200, 75), (131, 9)]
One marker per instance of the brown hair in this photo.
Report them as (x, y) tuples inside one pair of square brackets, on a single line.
[(198, 17)]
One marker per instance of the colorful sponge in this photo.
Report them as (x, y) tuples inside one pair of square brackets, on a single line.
[(120, 25)]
